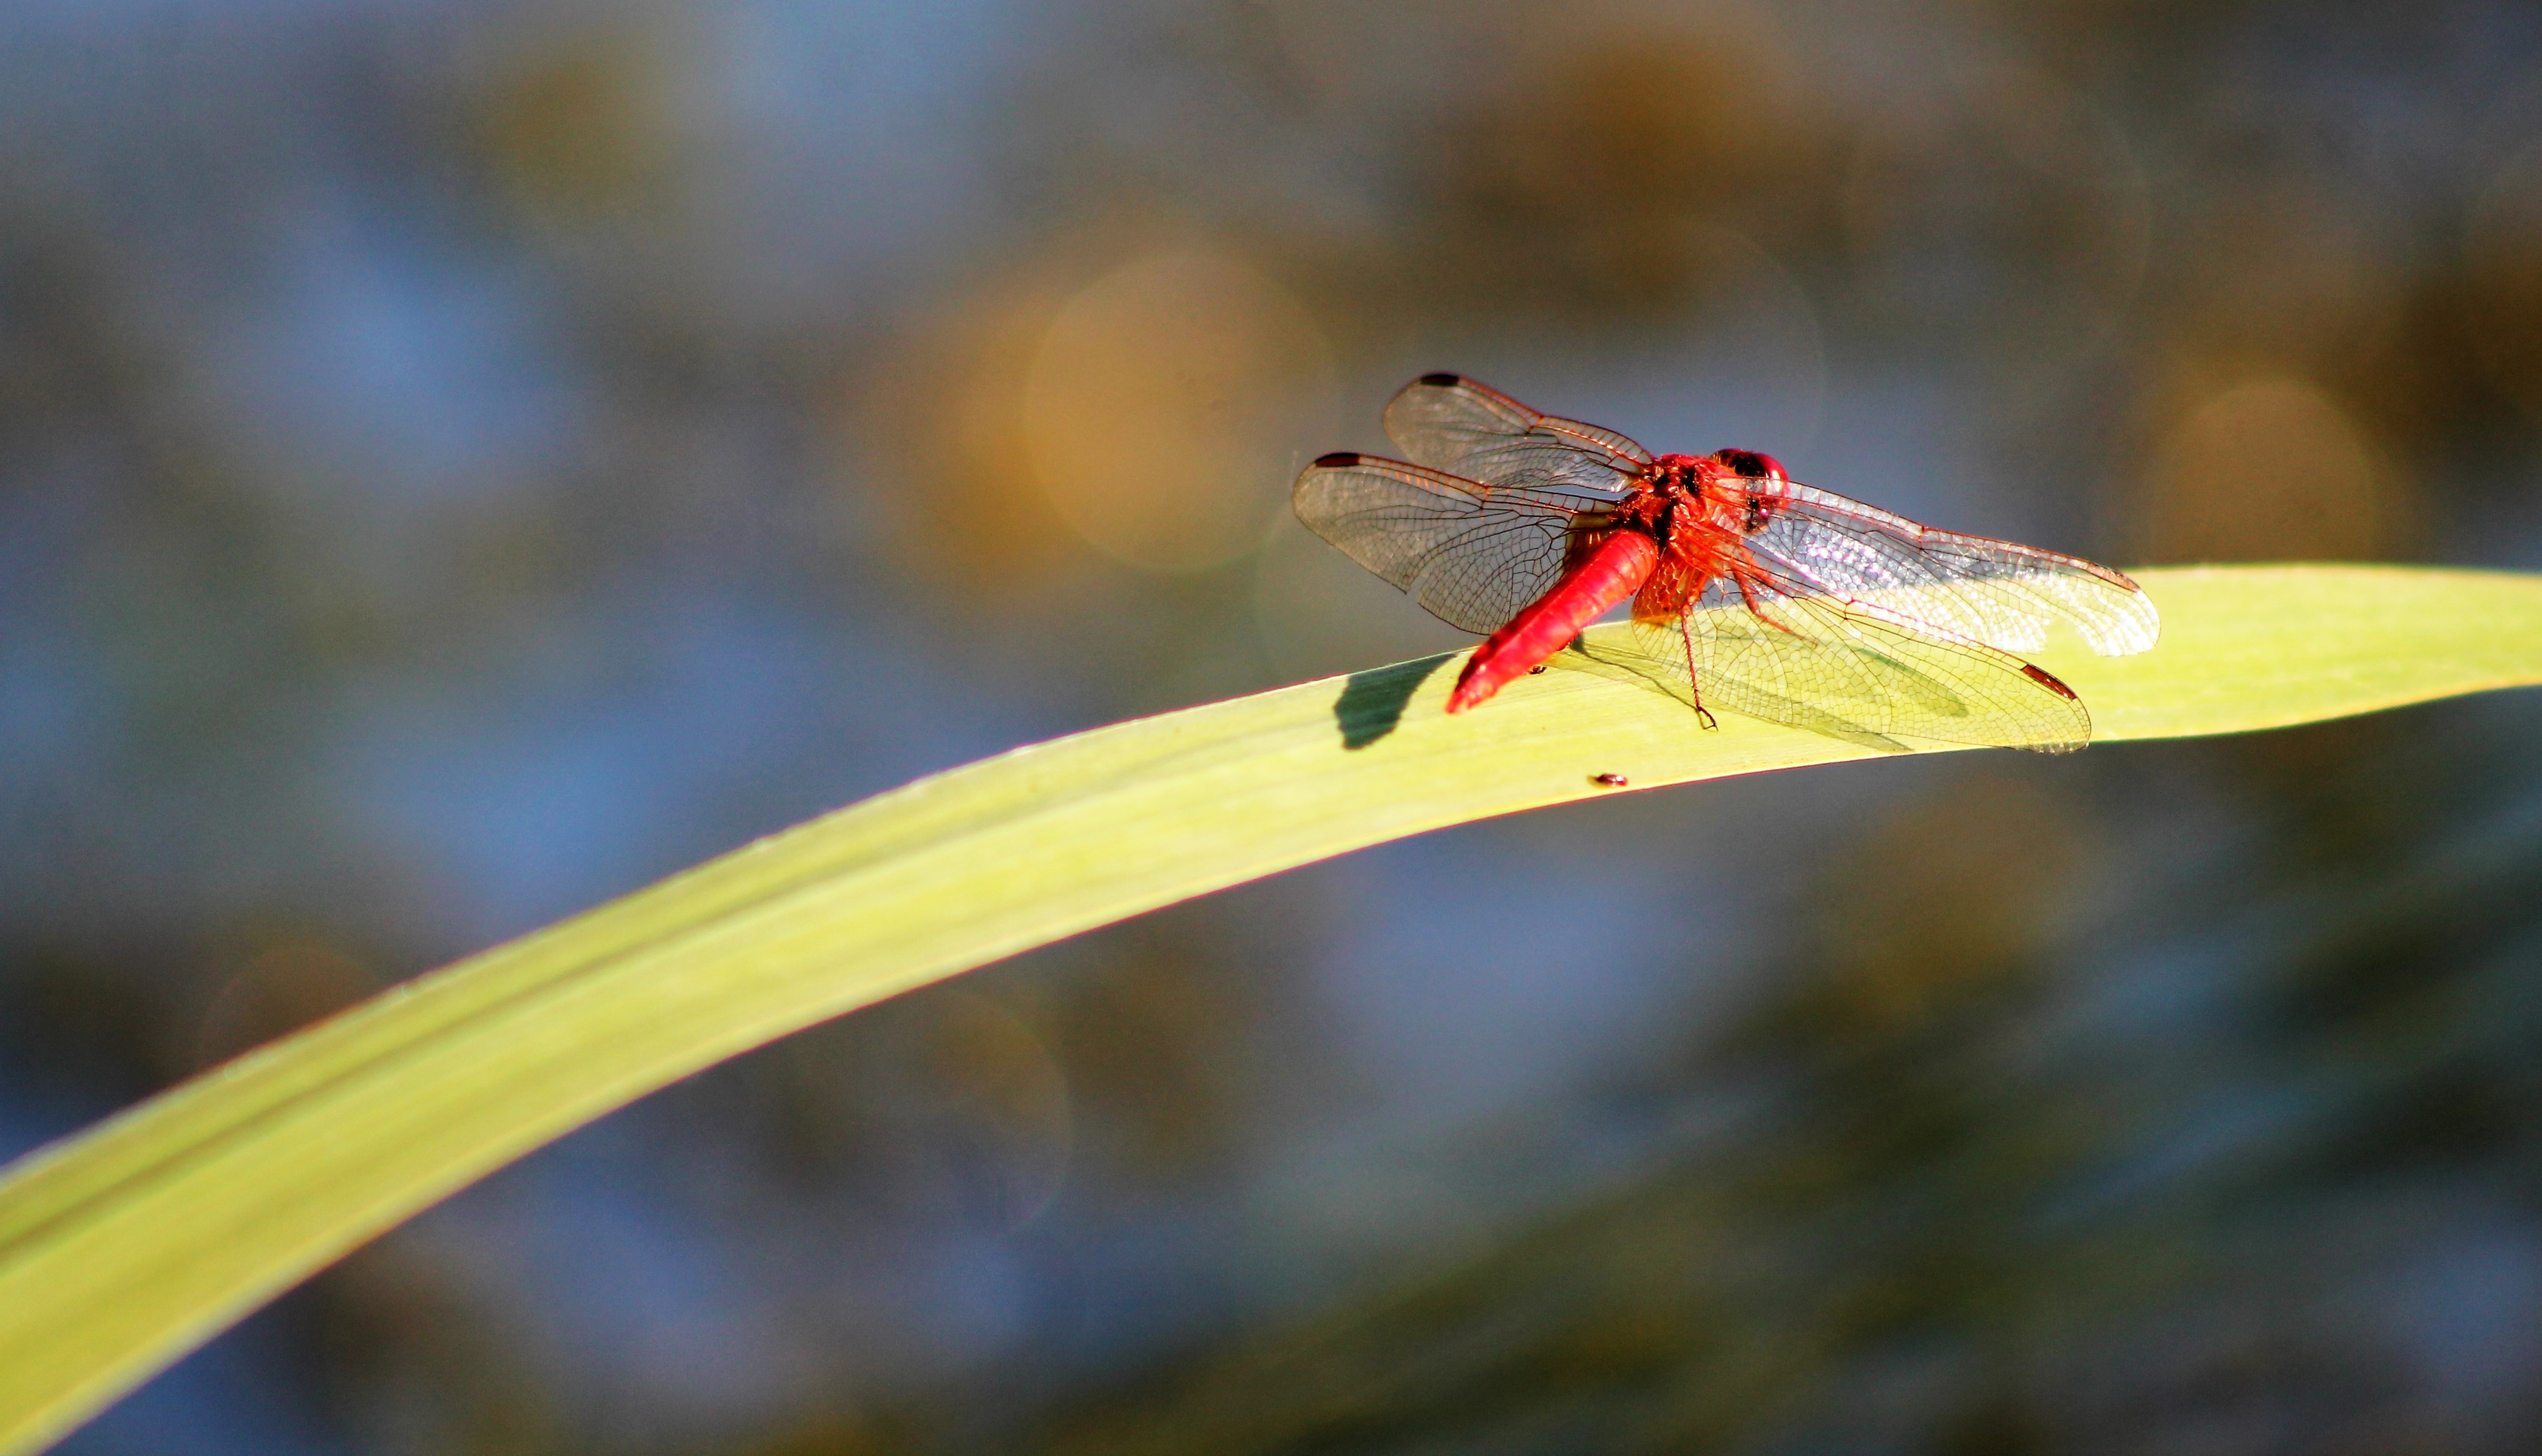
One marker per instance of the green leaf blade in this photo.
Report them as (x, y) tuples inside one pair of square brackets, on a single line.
[(2252, 647), (126, 1247)]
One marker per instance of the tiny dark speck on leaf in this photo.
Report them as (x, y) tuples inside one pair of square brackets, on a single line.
[(1609, 780), (1533, 671)]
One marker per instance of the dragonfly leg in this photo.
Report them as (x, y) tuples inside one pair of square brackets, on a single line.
[(1694, 680)]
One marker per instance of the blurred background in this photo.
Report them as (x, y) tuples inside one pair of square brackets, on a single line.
[(459, 461)]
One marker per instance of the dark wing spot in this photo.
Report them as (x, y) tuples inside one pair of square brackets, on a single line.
[(1611, 781), (1442, 381), (1339, 460), (2046, 680)]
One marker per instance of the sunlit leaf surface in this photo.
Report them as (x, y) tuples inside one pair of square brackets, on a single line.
[(126, 1247)]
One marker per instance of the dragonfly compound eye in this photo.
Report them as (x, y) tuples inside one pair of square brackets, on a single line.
[(1755, 464)]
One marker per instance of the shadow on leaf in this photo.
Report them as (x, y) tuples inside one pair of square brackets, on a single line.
[(1372, 702)]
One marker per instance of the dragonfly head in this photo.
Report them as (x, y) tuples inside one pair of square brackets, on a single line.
[(1737, 506), (1755, 464)]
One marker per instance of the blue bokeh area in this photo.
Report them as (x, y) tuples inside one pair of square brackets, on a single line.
[(460, 462)]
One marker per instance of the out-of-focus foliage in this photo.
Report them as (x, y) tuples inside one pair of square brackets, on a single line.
[(460, 462), (1966, 1203)]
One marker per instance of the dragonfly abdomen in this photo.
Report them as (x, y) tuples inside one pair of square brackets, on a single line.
[(1614, 570)]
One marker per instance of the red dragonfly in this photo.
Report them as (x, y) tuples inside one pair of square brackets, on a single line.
[(1750, 590)]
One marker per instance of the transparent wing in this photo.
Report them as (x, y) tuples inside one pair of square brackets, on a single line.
[(1851, 670), (1472, 553), (1991, 591), (1448, 422)]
